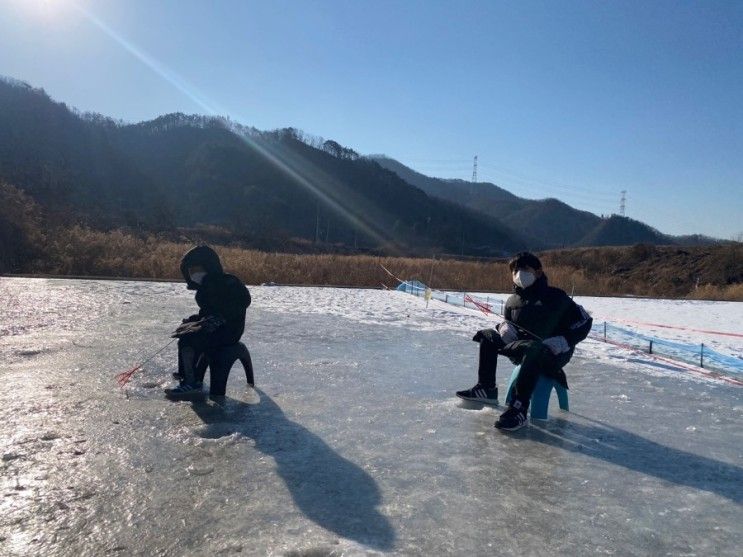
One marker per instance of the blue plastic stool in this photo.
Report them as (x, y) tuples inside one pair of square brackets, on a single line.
[(540, 398)]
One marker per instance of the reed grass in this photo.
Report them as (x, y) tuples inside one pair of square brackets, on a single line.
[(81, 251)]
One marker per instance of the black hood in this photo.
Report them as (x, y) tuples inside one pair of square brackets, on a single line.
[(203, 256)]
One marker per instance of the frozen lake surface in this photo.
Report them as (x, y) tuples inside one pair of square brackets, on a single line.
[(353, 443)]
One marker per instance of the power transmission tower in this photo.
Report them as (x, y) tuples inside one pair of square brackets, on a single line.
[(623, 202), (474, 171)]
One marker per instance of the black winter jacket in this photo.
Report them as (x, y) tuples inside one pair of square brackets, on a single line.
[(219, 295), (542, 311)]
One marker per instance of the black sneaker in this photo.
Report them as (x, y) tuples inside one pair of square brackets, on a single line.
[(481, 394), (185, 391), (179, 377), (512, 419)]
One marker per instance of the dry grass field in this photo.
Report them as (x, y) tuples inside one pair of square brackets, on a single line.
[(714, 273)]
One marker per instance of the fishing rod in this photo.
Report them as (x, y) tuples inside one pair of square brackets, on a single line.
[(478, 305), (125, 376)]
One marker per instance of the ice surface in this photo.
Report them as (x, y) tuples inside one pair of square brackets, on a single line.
[(352, 445)]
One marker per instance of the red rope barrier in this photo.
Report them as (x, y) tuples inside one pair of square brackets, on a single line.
[(485, 308), (682, 365), (721, 333)]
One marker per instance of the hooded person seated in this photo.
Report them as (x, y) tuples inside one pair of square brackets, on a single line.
[(542, 325), (222, 300)]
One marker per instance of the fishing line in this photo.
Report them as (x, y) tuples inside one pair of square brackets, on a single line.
[(125, 376), (481, 306)]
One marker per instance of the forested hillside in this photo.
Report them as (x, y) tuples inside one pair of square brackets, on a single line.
[(272, 190)]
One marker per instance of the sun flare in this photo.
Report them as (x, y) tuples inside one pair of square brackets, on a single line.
[(47, 9)]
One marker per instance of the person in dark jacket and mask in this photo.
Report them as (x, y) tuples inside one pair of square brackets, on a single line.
[(222, 300), (541, 328)]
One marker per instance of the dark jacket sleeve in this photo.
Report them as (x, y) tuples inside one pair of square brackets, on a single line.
[(577, 323), (507, 311), (508, 315)]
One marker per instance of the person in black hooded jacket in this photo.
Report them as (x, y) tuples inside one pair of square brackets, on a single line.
[(222, 300), (542, 325)]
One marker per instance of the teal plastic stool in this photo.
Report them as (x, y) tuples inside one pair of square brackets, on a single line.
[(540, 398)]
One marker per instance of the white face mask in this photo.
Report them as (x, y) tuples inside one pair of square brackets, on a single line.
[(198, 277), (524, 279)]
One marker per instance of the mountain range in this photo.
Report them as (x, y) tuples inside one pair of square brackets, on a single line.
[(549, 223), (274, 190)]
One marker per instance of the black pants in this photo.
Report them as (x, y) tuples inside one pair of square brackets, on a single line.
[(488, 363), (190, 348), (535, 359)]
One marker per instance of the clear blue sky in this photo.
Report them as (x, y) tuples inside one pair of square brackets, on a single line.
[(574, 100)]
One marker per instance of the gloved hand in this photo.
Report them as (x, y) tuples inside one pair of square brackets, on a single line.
[(508, 332), (557, 345), (211, 323), (187, 328), (208, 324), (191, 318)]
